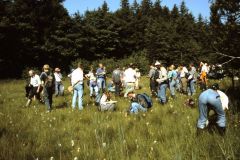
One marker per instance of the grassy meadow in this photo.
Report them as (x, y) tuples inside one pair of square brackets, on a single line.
[(164, 132)]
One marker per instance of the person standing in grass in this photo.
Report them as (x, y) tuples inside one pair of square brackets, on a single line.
[(211, 100), (101, 77), (183, 75), (77, 84), (48, 81), (138, 76), (163, 82), (203, 75), (130, 79), (92, 83), (172, 77), (191, 80), (35, 87), (152, 82), (59, 88), (116, 78)]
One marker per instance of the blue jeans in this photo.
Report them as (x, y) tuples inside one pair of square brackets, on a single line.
[(135, 107), (78, 93), (210, 99), (172, 85), (191, 87), (101, 83), (162, 93), (178, 84), (93, 88), (59, 89)]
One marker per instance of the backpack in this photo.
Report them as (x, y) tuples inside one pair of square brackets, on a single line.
[(49, 80), (156, 75), (147, 99)]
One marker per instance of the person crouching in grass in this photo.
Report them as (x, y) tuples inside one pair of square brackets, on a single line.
[(138, 103), (106, 104), (212, 99), (35, 87)]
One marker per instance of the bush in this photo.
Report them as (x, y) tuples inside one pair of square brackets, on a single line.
[(139, 59)]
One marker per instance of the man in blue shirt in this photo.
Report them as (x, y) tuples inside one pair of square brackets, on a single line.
[(101, 77), (172, 77)]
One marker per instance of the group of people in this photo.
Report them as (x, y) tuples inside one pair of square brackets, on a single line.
[(99, 89), (126, 81), (181, 78), (47, 83)]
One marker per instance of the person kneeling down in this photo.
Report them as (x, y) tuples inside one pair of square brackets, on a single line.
[(139, 102), (106, 104), (212, 99)]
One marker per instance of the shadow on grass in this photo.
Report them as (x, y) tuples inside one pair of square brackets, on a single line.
[(3, 131), (234, 98), (62, 105)]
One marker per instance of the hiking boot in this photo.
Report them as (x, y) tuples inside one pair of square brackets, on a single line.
[(221, 130)]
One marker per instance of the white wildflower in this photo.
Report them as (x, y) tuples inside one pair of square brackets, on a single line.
[(104, 144), (75, 158), (72, 142)]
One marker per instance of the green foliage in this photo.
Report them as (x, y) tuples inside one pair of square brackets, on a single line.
[(225, 25), (139, 59), (164, 132)]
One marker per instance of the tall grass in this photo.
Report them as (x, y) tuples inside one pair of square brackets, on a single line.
[(164, 132)]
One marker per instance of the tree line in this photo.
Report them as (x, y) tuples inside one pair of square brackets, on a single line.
[(35, 32)]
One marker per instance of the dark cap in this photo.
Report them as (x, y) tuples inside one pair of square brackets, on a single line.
[(215, 86)]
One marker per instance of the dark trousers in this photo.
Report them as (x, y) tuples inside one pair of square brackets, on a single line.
[(47, 94), (27, 90), (117, 88), (33, 92), (153, 87)]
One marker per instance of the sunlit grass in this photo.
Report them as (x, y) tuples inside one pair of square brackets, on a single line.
[(164, 132)]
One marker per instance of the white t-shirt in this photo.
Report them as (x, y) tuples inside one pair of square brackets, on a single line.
[(163, 75), (35, 81), (91, 76), (204, 68), (224, 100), (58, 77), (103, 99), (183, 72), (77, 76), (130, 75)]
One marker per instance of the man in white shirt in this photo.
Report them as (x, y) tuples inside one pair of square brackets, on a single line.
[(77, 84), (59, 88), (162, 81), (35, 86), (183, 75), (129, 79)]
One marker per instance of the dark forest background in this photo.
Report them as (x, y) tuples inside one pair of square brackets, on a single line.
[(35, 32)]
